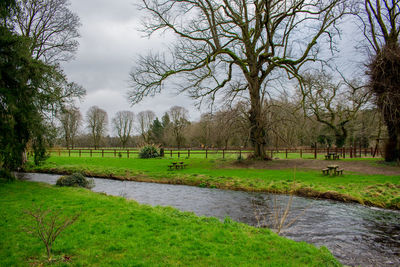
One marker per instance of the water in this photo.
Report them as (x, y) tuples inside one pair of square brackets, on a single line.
[(355, 234)]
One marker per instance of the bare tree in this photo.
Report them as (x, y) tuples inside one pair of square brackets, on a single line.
[(97, 123), (52, 27), (234, 47), (381, 25), (143, 124), (123, 123), (47, 225), (70, 119), (179, 121), (224, 122), (332, 103)]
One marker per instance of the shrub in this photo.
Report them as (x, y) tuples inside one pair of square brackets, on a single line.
[(6, 174), (148, 152), (75, 179)]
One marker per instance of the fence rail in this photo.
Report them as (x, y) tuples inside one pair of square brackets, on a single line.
[(286, 153)]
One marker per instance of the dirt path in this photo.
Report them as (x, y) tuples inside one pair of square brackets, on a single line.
[(365, 167)]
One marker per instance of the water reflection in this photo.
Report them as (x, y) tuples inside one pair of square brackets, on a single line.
[(355, 234)]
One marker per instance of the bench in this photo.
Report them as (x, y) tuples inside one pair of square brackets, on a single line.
[(325, 171), (339, 172)]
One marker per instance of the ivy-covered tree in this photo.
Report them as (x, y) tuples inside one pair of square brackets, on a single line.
[(29, 90)]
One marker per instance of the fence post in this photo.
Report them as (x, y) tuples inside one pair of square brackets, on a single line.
[(179, 154), (171, 152), (115, 153), (240, 153), (59, 152), (79, 153), (206, 153), (69, 152), (90, 153), (223, 153), (286, 153), (188, 153), (272, 153), (344, 152), (102, 153), (301, 153), (127, 153), (315, 151)]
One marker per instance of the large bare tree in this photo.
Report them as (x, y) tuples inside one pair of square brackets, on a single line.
[(123, 123), (143, 124), (233, 47), (381, 24), (333, 103), (52, 27), (70, 119), (97, 120)]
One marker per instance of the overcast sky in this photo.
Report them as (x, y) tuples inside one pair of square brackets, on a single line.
[(108, 46), (109, 43)]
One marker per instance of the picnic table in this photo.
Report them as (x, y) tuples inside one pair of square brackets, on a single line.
[(332, 155), (332, 170), (177, 165)]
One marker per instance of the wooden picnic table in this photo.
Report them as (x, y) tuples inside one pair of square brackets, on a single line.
[(177, 165), (332, 155), (332, 170)]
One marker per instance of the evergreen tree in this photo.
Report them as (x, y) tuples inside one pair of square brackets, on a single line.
[(157, 132)]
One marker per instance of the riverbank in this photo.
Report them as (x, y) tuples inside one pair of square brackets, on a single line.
[(380, 190), (116, 231)]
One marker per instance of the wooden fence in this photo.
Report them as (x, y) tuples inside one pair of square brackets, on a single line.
[(282, 153)]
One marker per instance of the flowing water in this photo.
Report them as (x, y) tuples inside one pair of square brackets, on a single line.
[(355, 234)]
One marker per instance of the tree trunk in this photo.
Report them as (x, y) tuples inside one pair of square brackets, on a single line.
[(257, 131), (340, 137), (392, 149)]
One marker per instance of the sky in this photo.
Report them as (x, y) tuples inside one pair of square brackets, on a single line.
[(109, 43)]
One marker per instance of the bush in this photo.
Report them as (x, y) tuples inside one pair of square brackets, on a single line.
[(148, 152), (6, 174), (75, 179)]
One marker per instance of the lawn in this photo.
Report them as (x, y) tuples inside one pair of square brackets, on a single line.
[(113, 231), (377, 190)]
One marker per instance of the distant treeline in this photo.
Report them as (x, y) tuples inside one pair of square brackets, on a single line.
[(286, 126)]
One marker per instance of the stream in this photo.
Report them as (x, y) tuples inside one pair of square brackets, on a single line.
[(355, 234)]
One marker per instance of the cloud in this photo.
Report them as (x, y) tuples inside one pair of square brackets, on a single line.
[(108, 45)]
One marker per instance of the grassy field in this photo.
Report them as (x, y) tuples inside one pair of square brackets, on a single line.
[(113, 231), (377, 190)]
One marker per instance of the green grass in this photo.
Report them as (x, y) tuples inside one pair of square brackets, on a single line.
[(113, 231), (377, 190)]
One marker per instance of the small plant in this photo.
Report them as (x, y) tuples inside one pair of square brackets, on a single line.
[(276, 217), (76, 179), (47, 225), (148, 151)]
